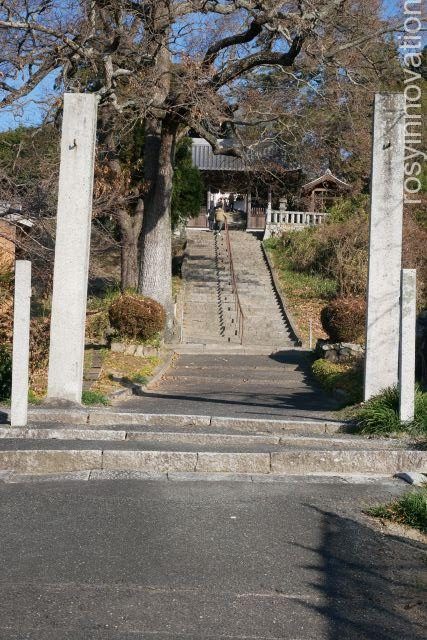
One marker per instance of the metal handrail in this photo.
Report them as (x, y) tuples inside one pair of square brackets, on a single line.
[(238, 307)]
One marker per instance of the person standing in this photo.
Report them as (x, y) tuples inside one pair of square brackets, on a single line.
[(231, 201), (220, 217), (211, 217)]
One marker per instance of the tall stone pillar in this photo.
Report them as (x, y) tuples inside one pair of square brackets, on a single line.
[(407, 344), (268, 212), (385, 244), (73, 227), (21, 344)]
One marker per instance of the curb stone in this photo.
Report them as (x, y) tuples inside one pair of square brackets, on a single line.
[(50, 461), (299, 462), (10, 477), (162, 461), (233, 462)]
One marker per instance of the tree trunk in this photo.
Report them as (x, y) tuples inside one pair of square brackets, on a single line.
[(155, 276), (129, 263), (130, 230)]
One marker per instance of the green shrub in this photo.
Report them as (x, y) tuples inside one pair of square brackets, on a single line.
[(307, 250), (136, 317), (34, 398), (94, 397), (309, 285), (274, 242), (346, 377), (347, 208), (337, 250), (343, 319), (97, 325), (411, 510), (187, 191), (5, 373), (380, 415), (139, 379)]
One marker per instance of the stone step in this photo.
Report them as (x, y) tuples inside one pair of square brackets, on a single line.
[(107, 417), (244, 383), (53, 456), (268, 372), (247, 349), (269, 375), (197, 435)]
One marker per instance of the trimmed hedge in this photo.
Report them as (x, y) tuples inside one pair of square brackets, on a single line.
[(136, 317), (343, 319)]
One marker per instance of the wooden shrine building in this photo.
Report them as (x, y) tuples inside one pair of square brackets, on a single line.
[(252, 188)]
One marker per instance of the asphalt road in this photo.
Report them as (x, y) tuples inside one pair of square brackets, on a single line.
[(158, 560)]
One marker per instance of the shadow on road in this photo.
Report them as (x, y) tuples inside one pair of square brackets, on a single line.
[(369, 582)]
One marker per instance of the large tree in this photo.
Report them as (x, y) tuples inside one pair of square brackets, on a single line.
[(175, 65)]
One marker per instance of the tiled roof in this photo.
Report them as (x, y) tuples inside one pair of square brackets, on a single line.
[(205, 159), (328, 176)]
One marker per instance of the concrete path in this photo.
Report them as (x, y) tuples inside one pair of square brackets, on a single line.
[(247, 386), (155, 560)]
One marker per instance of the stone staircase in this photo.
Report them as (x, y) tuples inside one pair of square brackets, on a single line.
[(265, 323), (209, 314), (195, 447)]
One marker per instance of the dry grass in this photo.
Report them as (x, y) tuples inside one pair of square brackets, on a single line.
[(306, 294), (118, 365)]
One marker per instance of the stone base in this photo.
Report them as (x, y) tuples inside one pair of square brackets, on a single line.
[(339, 351), (61, 404)]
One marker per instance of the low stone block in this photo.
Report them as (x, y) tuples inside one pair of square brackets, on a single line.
[(109, 418), (382, 462), (50, 461), (62, 416), (117, 347), (233, 462), (159, 461), (150, 351), (130, 349), (62, 434), (140, 350), (277, 426)]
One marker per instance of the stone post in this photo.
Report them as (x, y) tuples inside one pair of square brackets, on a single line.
[(407, 345), (73, 227), (385, 244), (21, 344), (268, 212)]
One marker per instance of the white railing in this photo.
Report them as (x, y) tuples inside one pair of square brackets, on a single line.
[(301, 218)]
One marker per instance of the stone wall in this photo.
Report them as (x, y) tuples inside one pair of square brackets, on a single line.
[(339, 351)]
